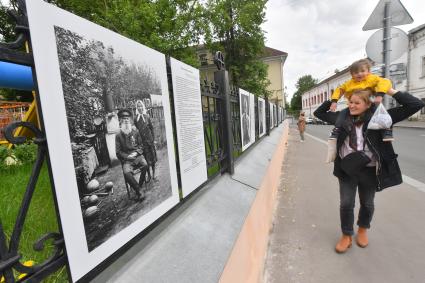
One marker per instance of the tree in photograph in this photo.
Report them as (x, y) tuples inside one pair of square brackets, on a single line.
[(235, 28), (304, 84)]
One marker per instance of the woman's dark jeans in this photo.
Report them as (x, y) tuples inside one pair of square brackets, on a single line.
[(366, 183)]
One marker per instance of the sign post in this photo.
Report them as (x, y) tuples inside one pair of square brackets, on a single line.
[(386, 14)]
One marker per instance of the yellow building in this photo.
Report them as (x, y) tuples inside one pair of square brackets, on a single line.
[(275, 59)]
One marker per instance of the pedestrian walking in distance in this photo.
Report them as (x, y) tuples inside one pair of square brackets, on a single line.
[(364, 161), (301, 125)]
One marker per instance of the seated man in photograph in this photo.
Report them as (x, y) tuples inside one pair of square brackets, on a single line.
[(129, 150)]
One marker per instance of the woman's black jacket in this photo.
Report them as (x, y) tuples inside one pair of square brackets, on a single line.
[(388, 173)]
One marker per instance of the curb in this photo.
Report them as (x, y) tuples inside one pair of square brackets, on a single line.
[(247, 259)]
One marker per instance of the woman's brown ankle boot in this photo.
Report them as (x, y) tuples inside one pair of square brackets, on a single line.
[(361, 238), (344, 244)]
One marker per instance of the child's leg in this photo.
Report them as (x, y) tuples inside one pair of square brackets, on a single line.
[(388, 135), (338, 124)]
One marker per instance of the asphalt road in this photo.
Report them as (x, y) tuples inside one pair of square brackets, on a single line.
[(306, 225), (409, 144)]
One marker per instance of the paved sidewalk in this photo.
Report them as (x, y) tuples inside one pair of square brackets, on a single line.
[(411, 124), (306, 227)]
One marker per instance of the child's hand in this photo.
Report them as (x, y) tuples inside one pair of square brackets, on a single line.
[(391, 92), (333, 107), (378, 99)]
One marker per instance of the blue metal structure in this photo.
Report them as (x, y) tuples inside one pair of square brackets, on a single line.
[(15, 76)]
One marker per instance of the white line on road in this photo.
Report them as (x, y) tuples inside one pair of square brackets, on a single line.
[(406, 179), (414, 183), (317, 139)]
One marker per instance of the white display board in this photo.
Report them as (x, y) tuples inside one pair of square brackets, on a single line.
[(261, 117), (190, 126), (246, 119), (252, 110), (271, 115), (78, 64)]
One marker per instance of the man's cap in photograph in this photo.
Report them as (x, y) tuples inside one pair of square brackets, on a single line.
[(124, 113)]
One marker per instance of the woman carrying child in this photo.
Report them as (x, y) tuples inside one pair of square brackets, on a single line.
[(378, 167)]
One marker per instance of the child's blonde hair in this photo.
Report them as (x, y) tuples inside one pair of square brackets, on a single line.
[(358, 64), (364, 94)]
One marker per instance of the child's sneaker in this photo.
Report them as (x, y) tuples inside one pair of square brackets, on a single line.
[(334, 134), (388, 135)]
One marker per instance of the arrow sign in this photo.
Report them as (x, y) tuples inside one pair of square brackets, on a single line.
[(398, 15)]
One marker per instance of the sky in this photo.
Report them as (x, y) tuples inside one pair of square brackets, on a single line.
[(321, 36)]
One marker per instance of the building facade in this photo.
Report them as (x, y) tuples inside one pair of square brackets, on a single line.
[(416, 66), (275, 59)]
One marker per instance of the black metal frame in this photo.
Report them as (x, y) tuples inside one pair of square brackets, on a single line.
[(9, 250), (212, 112)]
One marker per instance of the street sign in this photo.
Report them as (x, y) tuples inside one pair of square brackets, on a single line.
[(398, 15), (375, 45)]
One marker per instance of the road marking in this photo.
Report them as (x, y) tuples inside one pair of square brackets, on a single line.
[(414, 183), (406, 179), (317, 139)]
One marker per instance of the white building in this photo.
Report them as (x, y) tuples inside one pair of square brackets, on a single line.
[(416, 66), (323, 90)]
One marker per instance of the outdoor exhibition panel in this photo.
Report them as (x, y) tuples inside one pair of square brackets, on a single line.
[(246, 120), (271, 115), (189, 125), (85, 73), (261, 117), (252, 110)]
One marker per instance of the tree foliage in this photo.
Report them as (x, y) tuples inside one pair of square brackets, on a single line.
[(170, 27), (235, 28), (304, 84), (176, 27)]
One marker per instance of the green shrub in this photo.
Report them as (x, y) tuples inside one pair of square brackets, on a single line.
[(26, 153), (4, 152)]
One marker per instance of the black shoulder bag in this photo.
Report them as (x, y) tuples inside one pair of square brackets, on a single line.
[(352, 163)]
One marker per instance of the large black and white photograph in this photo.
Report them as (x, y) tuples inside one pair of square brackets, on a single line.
[(107, 116), (245, 110), (261, 117)]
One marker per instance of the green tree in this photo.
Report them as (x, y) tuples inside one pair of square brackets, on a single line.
[(6, 24), (304, 84), (236, 29), (169, 26)]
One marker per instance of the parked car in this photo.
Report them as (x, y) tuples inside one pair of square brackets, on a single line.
[(309, 120)]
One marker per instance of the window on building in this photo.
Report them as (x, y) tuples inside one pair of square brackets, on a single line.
[(326, 95), (203, 59), (423, 66), (423, 108)]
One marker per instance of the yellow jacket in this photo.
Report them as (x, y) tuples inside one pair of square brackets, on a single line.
[(377, 83)]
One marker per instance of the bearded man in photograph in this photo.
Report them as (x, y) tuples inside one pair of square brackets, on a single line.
[(129, 150)]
